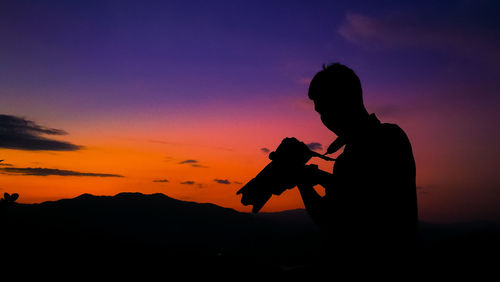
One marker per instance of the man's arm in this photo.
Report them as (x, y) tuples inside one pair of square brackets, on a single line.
[(315, 205), (311, 174)]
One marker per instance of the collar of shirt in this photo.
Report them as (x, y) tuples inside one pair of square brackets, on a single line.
[(366, 129)]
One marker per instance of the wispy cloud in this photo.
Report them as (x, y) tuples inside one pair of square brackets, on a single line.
[(304, 80), (315, 146), (192, 183), (405, 30), (4, 164), (168, 159), (160, 180), (265, 150), (22, 134), (193, 163), (301, 103), (222, 181), (38, 171), (188, 162)]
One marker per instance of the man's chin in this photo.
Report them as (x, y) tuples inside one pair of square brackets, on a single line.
[(335, 130)]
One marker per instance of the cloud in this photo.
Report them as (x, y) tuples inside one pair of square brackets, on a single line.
[(160, 180), (194, 163), (407, 30), (22, 134), (168, 159), (51, 171), (304, 80), (391, 32), (222, 181), (189, 182), (4, 164), (164, 142), (188, 162), (265, 150), (315, 146), (237, 182), (199, 165), (301, 103)]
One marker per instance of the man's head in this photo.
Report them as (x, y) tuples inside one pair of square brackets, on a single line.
[(337, 95)]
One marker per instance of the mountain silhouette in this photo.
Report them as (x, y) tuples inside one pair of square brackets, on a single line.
[(142, 230), (149, 235)]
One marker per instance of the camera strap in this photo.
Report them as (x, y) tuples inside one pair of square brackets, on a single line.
[(335, 146)]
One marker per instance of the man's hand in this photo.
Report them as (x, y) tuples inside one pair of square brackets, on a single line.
[(292, 151), (309, 175)]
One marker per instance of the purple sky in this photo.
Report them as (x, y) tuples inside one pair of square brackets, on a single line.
[(430, 66)]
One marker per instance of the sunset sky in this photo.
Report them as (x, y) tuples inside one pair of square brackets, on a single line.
[(187, 98)]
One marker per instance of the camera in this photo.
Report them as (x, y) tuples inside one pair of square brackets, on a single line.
[(282, 173)]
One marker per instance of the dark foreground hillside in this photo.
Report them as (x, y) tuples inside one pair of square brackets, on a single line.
[(131, 230), (135, 234)]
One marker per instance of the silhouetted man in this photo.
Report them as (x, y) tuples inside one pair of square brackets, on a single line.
[(370, 204)]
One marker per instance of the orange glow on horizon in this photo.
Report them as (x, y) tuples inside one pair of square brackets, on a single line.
[(224, 147)]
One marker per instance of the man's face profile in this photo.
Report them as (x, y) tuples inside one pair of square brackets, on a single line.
[(332, 113), (336, 93)]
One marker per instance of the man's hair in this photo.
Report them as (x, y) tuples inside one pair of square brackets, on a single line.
[(339, 82)]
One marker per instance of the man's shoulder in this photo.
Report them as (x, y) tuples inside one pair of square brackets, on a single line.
[(393, 138), (392, 131)]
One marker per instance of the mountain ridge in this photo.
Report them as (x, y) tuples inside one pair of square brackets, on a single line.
[(132, 228), (136, 228)]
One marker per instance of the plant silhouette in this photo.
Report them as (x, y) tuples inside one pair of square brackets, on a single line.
[(9, 199)]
